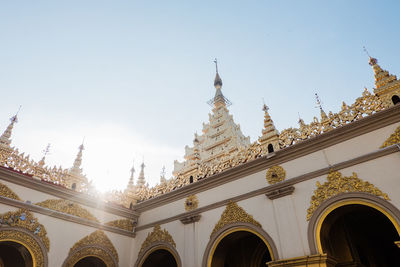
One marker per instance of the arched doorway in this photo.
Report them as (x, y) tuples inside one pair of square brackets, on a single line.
[(359, 235), (395, 99), (240, 248), (160, 258), (14, 254), (90, 262)]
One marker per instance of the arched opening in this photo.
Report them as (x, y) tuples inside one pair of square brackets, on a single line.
[(15, 255), (191, 179), (73, 187), (90, 262), (359, 235), (160, 258), (240, 249), (395, 99), (270, 148)]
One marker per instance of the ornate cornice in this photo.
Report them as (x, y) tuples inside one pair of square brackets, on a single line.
[(98, 239), (157, 235), (275, 174), (24, 219), (68, 207), (393, 139), (124, 224), (5, 191), (234, 214), (338, 184)]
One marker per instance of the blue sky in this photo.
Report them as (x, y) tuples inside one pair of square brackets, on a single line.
[(133, 77)]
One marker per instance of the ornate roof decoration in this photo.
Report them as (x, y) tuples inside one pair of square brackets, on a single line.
[(24, 219), (68, 207), (339, 184), (157, 235), (275, 174), (124, 224), (234, 214), (393, 139), (191, 203), (93, 244), (5, 138), (5, 191)]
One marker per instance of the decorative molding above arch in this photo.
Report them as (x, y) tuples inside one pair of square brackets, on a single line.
[(97, 245), (157, 236), (24, 219), (339, 184), (393, 139), (124, 224), (234, 214), (69, 207), (30, 241), (5, 191)]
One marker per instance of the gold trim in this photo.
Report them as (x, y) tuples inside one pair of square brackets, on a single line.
[(69, 207), (234, 214), (5, 191), (124, 224), (191, 203), (90, 252), (393, 139), (237, 229), (275, 174), (157, 235), (350, 202), (338, 184), (160, 247)]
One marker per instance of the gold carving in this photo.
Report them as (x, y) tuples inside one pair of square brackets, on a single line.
[(98, 239), (397, 243), (338, 184), (234, 214), (24, 219), (27, 241), (157, 235), (5, 191), (275, 174), (90, 252), (124, 224), (191, 203), (68, 207), (393, 139)]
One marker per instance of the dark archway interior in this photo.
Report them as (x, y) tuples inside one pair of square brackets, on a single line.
[(13, 254), (90, 262), (358, 235), (241, 249), (395, 99), (270, 148), (160, 258)]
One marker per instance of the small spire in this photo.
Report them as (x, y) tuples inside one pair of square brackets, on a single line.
[(45, 152), (217, 80), (270, 135), (5, 138), (219, 99), (76, 167), (162, 175), (141, 181), (319, 105), (132, 175)]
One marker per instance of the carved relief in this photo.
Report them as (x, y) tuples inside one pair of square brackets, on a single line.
[(393, 139), (234, 214), (191, 203), (338, 184), (27, 241), (157, 235), (96, 244), (124, 224), (5, 191), (68, 207), (24, 219), (275, 174)]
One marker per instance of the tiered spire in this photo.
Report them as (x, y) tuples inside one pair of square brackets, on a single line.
[(162, 176), (319, 105), (141, 180), (131, 183), (270, 136), (76, 180), (76, 168), (5, 138), (219, 99)]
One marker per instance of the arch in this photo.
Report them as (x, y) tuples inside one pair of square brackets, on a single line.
[(395, 99), (270, 148), (36, 248), (90, 261), (361, 198), (156, 246), (218, 236)]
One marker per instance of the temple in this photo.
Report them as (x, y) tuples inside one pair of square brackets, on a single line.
[(324, 193)]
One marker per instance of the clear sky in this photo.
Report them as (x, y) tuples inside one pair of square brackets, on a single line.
[(133, 77)]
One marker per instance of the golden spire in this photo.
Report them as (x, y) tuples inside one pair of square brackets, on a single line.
[(270, 136), (130, 183), (141, 180), (219, 99), (76, 168), (46, 152), (319, 105), (5, 138)]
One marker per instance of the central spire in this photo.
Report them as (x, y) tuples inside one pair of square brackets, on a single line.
[(219, 99)]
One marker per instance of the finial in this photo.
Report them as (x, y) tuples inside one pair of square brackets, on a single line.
[(216, 65), (265, 107), (319, 103), (372, 61), (46, 151), (5, 138), (133, 168)]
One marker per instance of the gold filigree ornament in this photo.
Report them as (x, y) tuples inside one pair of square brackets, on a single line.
[(234, 214), (191, 203), (5, 191), (339, 184), (393, 139), (97, 245), (275, 174), (24, 219), (124, 224), (157, 235), (68, 207)]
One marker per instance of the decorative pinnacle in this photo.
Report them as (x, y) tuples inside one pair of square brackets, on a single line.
[(141, 180), (5, 138), (319, 105), (217, 80), (162, 175), (132, 175), (76, 167), (372, 61)]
